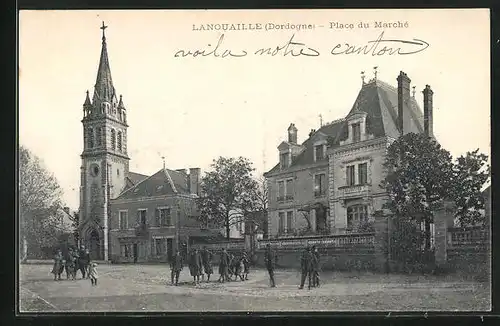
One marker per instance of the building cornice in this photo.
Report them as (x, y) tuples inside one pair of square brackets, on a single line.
[(100, 152), (359, 146), (98, 120), (153, 198), (321, 164)]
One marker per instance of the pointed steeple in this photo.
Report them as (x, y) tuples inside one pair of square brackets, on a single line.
[(87, 101), (104, 90), (120, 104)]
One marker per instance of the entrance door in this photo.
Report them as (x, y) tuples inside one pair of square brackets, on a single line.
[(321, 220), (95, 245), (170, 244), (135, 252)]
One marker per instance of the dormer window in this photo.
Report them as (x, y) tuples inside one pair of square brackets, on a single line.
[(356, 132), (284, 160), (319, 152)]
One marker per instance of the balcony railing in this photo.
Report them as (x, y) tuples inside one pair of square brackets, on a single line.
[(285, 198), (467, 237), (320, 193), (141, 229), (354, 191), (329, 241)]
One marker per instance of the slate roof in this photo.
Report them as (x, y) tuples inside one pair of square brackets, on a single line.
[(380, 101), (164, 182), (306, 156), (133, 179)]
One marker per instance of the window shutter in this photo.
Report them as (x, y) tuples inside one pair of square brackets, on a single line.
[(157, 217), (153, 251), (138, 217)]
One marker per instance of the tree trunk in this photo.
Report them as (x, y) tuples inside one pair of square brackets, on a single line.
[(228, 230)]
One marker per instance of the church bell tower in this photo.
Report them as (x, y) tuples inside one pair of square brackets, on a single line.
[(105, 163)]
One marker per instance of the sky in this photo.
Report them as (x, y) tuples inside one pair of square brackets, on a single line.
[(192, 110)]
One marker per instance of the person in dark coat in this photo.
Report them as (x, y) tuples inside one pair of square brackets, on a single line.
[(71, 264), (223, 265), (176, 266), (58, 267), (270, 260), (230, 266), (306, 267), (315, 266), (206, 259), (195, 265), (83, 261), (246, 265), (239, 268)]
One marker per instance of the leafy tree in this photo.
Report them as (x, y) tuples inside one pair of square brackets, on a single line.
[(470, 173), (256, 206), (228, 192), (419, 174), (39, 203)]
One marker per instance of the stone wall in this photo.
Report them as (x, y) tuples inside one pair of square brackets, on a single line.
[(355, 258)]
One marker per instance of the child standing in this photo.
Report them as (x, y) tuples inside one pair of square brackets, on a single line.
[(93, 273)]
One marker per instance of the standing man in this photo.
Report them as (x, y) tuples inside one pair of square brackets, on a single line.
[(315, 266), (206, 258), (270, 260), (223, 265), (306, 267), (83, 261), (246, 265), (176, 266), (195, 265)]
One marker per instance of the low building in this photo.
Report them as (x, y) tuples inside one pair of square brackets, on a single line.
[(330, 184)]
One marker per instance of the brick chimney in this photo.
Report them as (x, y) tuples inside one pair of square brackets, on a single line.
[(428, 111), (403, 97), (194, 180), (292, 134)]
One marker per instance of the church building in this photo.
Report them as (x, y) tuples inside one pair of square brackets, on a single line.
[(128, 216), (329, 184)]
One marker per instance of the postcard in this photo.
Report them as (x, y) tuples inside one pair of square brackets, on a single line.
[(254, 160)]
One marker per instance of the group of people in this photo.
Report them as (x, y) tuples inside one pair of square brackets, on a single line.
[(200, 264), (75, 260), (309, 265)]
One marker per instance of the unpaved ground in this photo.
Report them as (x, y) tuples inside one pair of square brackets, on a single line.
[(147, 288)]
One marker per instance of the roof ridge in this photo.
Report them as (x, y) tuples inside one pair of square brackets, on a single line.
[(169, 178), (334, 121), (135, 185)]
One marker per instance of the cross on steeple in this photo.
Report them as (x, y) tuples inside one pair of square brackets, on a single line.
[(103, 27)]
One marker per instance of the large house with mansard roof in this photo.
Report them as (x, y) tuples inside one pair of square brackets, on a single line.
[(329, 184), (128, 216)]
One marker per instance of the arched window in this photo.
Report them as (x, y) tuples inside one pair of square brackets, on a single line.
[(99, 136), (120, 141), (90, 138), (113, 139)]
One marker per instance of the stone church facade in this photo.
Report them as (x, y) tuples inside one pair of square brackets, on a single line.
[(128, 216), (329, 184)]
